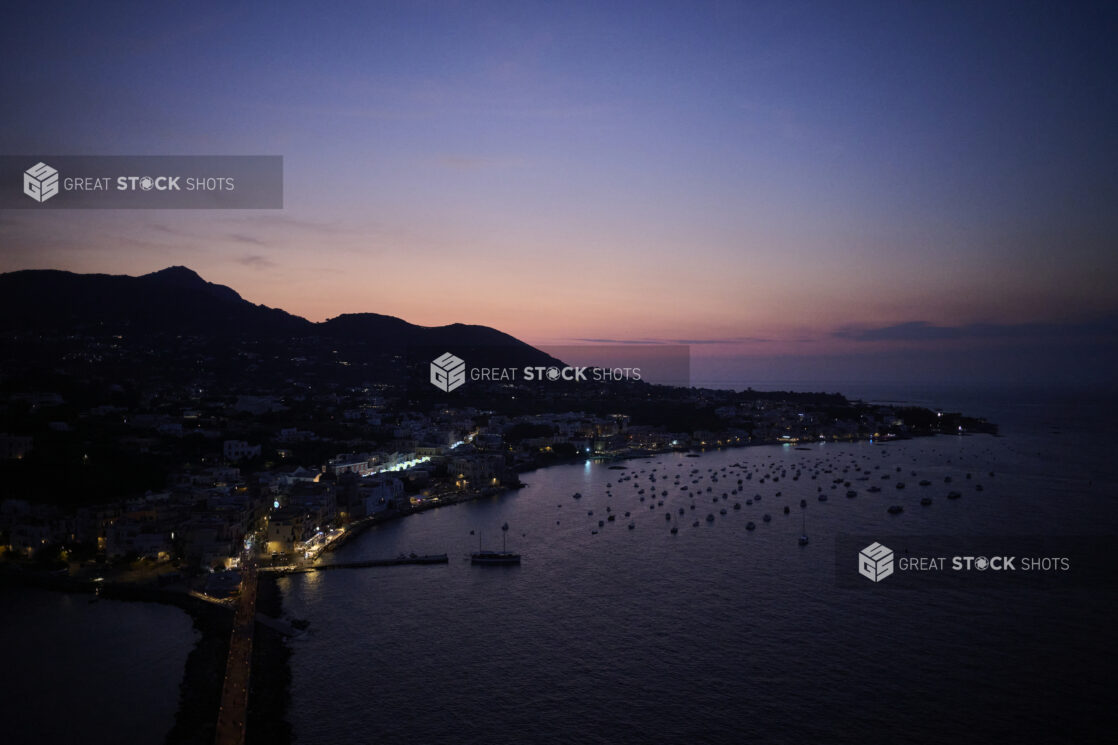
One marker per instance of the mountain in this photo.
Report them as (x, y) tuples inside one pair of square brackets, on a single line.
[(393, 331), (177, 302), (181, 277)]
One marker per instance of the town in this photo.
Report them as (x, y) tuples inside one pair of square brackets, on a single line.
[(174, 482)]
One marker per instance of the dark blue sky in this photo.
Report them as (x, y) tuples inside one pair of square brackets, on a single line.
[(803, 173)]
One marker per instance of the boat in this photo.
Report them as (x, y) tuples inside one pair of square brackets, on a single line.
[(953, 495), (851, 494), (803, 531), (926, 501), (504, 556), (495, 557), (750, 525), (895, 509)]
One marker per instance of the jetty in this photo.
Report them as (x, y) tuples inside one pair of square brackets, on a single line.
[(398, 561)]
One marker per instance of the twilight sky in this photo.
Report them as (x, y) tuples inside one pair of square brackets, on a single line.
[(809, 190)]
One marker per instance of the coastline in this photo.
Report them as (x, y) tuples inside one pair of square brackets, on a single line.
[(358, 527), (200, 686), (270, 688), (270, 684)]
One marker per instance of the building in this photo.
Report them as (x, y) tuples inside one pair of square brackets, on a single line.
[(14, 447), (361, 464), (235, 450), (381, 493)]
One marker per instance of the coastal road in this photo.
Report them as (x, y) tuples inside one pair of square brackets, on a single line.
[(234, 693)]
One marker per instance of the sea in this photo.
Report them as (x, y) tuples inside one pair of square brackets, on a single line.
[(81, 670), (627, 633), (612, 634)]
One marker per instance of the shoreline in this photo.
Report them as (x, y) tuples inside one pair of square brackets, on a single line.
[(199, 695), (195, 721), (282, 710), (270, 684), (358, 527), (200, 687)]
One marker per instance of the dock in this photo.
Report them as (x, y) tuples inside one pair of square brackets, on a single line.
[(232, 715), (398, 561)]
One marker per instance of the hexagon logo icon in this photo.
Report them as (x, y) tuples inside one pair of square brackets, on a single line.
[(40, 182), (875, 562), (448, 372)]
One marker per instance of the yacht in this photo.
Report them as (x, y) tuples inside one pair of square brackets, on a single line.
[(504, 556)]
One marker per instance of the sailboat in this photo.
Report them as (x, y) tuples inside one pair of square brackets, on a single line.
[(803, 532), (504, 556)]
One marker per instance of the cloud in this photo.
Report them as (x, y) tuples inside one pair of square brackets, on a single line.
[(475, 163), (242, 238), (169, 230), (284, 223), (732, 340), (925, 331), (256, 261)]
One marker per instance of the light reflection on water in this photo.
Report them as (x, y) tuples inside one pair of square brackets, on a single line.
[(717, 632)]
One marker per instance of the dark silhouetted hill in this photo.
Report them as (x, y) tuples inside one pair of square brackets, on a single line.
[(177, 302)]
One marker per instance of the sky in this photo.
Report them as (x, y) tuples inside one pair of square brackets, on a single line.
[(796, 190)]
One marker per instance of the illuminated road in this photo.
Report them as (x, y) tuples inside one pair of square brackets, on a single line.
[(234, 694)]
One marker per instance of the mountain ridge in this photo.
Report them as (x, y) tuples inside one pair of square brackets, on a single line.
[(178, 301)]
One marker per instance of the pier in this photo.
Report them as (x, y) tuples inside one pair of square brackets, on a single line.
[(398, 561), (232, 716)]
